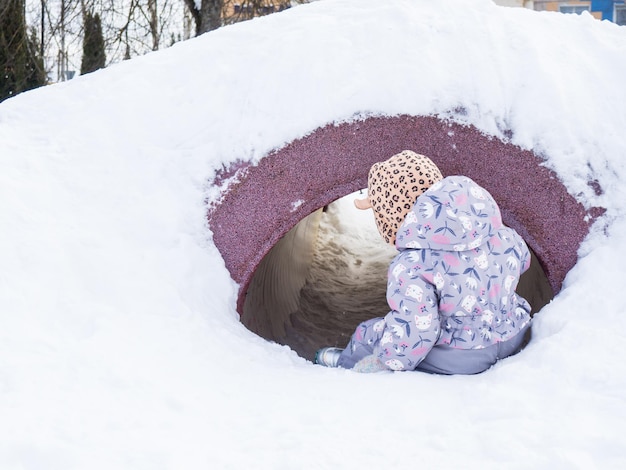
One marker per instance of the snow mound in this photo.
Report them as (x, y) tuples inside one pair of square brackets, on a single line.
[(120, 346)]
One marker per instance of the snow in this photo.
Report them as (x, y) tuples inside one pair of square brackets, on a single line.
[(120, 345)]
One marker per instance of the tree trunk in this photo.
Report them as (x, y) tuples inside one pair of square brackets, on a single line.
[(211, 14), (153, 21), (208, 17)]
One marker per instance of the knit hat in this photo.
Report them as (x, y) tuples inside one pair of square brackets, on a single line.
[(393, 187)]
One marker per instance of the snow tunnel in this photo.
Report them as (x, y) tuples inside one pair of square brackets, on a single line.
[(300, 287)]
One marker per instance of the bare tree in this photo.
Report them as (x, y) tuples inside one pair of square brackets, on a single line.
[(153, 23), (142, 25), (129, 27)]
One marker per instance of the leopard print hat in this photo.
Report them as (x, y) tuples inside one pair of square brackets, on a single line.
[(393, 187)]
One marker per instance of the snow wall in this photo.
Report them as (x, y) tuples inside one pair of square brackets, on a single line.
[(270, 261)]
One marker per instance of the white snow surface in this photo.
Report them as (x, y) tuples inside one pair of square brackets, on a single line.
[(120, 345)]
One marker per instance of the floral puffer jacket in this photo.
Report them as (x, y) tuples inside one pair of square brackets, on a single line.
[(453, 282)]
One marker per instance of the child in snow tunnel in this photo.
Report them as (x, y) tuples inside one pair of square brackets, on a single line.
[(451, 288)]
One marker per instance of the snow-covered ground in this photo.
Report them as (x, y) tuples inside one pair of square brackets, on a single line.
[(120, 346)]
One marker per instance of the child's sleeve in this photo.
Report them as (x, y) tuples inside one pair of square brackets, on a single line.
[(412, 326), (524, 254)]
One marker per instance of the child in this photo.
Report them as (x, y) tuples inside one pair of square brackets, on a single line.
[(451, 288)]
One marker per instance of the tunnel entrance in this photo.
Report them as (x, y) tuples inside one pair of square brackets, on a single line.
[(255, 215), (328, 274)]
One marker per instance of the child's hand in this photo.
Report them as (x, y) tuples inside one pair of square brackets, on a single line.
[(369, 364)]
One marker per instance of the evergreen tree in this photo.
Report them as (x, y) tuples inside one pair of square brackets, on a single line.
[(21, 67), (94, 57)]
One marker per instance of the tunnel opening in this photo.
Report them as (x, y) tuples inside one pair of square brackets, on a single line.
[(328, 274), (275, 206)]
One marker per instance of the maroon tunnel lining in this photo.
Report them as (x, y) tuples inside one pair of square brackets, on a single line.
[(333, 161)]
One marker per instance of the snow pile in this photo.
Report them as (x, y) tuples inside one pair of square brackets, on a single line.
[(120, 346)]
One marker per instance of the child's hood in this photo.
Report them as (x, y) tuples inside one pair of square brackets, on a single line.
[(455, 214)]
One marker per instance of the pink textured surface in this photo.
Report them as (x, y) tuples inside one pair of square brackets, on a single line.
[(334, 161)]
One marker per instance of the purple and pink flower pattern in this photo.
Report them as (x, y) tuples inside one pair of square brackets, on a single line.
[(453, 282)]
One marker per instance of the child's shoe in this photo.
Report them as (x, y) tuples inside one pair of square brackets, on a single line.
[(328, 357)]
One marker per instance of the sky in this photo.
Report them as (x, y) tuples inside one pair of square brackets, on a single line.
[(120, 344)]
